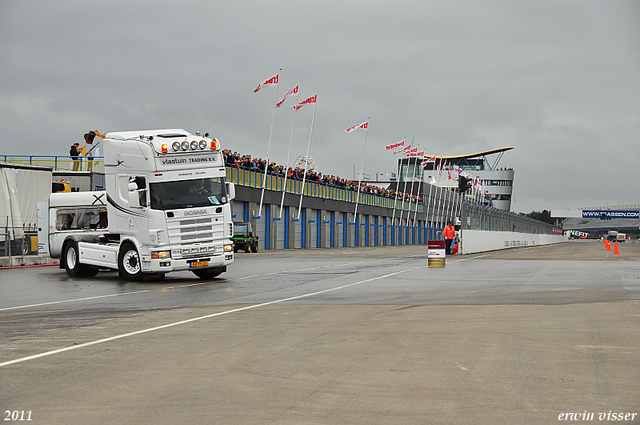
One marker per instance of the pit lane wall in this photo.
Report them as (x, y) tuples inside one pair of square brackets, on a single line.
[(474, 241)]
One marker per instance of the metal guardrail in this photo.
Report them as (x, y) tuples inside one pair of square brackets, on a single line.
[(16, 247), (57, 163)]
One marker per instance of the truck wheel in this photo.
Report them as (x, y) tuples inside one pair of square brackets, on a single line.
[(254, 248), (247, 248), (129, 266), (209, 273), (26, 245), (72, 265), (70, 258)]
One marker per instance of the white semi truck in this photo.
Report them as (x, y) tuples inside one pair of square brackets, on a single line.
[(166, 208)]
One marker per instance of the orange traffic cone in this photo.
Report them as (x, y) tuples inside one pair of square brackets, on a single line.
[(608, 244), (615, 249)]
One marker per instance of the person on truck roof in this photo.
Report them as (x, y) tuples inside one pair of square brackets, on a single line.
[(74, 153)]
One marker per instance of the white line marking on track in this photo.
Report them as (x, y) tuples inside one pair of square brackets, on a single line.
[(165, 288), (208, 316), (74, 299), (195, 319)]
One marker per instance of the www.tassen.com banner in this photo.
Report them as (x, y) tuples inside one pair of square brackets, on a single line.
[(610, 214)]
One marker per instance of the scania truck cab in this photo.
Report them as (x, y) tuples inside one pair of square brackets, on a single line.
[(166, 208)]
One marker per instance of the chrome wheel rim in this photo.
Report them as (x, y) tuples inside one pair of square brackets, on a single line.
[(131, 262), (72, 258)]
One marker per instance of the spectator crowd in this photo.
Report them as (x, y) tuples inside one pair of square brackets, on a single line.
[(248, 162)]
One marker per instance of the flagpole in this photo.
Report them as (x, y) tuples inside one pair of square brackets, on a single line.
[(284, 185), (404, 192), (429, 202), (412, 182), (395, 198), (306, 163), (418, 196), (450, 201), (395, 202), (439, 217), (266, 167), (366, 133), (404, 151), (448, 194), (444, 200)]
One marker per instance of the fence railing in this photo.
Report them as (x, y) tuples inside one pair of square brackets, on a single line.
[(255, 179), (11, 246), (57, 163)]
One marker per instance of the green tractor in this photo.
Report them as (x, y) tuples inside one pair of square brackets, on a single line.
[(244, 238)]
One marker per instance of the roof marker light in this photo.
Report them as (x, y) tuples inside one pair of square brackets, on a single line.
[(215, 145), (164, 148)]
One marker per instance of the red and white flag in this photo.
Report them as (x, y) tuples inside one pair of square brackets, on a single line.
[(415, 153), (268, 82), (364, 126), (403, 151), (394, 145), (292, 91), (308, 101), (432, 159)]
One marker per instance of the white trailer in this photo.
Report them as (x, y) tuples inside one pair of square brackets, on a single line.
[(166, 208), (21, 188)]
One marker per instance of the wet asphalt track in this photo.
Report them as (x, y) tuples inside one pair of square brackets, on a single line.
[(366, 335)]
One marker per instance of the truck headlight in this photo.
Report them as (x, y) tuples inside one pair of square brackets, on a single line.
[(228, 248), (160, 254)]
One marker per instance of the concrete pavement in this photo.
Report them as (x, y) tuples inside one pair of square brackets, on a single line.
[(517, 336)]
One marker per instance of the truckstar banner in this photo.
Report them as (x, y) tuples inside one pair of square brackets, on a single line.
[(292, 91), (363, 126), (394, 145), (268, 82), (312, 99)]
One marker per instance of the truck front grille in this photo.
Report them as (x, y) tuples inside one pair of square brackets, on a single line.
[(195, 230)]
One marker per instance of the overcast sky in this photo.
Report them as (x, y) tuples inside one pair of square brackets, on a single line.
[(559, 81)]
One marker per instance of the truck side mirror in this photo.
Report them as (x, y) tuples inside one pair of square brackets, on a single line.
[(134, 199), (231, 191)]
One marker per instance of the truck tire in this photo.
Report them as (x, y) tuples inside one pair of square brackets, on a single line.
[(129, 266), (26, 245), (254, 248), (73, 267), (209, 273)]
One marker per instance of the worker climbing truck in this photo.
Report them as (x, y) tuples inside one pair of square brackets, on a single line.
[(166, 208)]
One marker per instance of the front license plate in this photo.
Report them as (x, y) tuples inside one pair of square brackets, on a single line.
[(198, 263)]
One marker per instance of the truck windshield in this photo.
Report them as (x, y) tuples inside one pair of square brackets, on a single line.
[(188, 193)]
